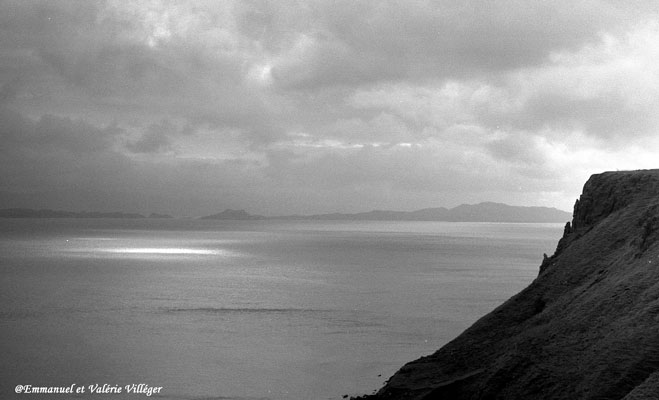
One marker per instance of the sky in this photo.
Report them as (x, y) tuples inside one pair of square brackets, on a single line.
[(284, 107)]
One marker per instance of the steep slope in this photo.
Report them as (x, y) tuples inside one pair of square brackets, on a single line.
[(586, 328)]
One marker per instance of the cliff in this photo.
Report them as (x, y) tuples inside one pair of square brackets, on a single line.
[(586, 328)]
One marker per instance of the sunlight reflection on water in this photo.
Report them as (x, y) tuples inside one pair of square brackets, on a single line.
[(162, 250), (142, 252)]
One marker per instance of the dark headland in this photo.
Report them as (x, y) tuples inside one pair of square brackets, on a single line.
[(586, 328)]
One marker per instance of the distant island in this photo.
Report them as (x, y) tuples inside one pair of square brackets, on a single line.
[(482, 212), (47, 213), (235, 215)]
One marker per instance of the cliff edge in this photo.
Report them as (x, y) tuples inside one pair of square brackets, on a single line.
[(586, 328)]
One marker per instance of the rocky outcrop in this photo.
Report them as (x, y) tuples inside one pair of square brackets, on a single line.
[(586, 328)]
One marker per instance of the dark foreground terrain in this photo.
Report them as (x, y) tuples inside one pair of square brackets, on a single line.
[(586, 328)]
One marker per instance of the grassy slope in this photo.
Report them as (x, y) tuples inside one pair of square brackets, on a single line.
[(586, 328)]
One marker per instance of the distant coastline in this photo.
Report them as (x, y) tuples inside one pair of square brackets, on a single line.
[(48, 213), (481, 212)]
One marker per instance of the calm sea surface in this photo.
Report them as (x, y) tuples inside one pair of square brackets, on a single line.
[(245, 310)]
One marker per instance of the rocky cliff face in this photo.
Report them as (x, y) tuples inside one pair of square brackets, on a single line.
[(586, 328)]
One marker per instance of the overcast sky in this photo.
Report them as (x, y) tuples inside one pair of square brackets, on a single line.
[(286, 107)]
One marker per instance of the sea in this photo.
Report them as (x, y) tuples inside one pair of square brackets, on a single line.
[(210, 310)]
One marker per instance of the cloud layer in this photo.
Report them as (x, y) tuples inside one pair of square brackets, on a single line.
[(287, 106)]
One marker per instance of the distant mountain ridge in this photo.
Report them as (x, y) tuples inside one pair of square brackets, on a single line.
[(235, 215), (481, 212)]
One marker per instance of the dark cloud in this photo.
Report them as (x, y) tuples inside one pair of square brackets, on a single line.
[(51, 151), (520, 148), (323, 105), (8, 91), (59, 162), (156, 139), (53, 133), (150, 142), (363, 42)]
